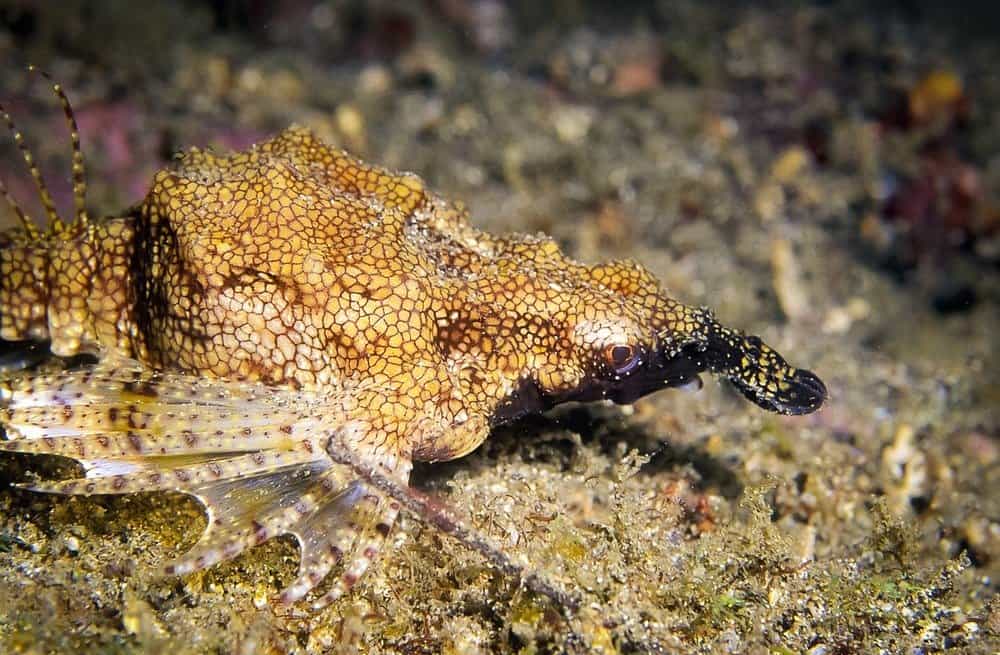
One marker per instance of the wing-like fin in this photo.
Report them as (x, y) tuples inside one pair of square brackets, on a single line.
[(37, 435), (367, 544), (256, 457), (323, 539), (124, 476), (123, 411), (244, 512)]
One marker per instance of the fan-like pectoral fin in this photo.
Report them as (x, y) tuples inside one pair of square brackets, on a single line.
[(349, 531), (246, 511), (353, 529), (252, 455)]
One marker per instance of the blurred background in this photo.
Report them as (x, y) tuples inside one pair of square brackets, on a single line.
[(825, 174)]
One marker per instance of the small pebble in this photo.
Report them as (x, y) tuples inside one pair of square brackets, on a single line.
[(787, 281)]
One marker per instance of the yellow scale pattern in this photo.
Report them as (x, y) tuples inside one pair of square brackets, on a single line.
[(282, 331)]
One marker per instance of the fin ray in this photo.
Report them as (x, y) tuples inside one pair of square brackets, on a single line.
[(245, 512), (122, 411), (367, 545), (121, 476), (256, 457), (322, 538)]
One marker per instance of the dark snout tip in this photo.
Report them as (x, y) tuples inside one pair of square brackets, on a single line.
[(795, 392), (805, 394)]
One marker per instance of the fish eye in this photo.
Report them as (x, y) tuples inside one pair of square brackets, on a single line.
[(621, 357)]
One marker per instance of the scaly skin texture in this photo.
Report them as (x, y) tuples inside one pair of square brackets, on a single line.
[(296, 264), (296, 267)]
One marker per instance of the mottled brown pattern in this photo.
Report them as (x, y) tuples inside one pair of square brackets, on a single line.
[(367, 304)]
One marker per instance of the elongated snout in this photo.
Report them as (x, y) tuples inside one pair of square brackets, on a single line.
[(760, 373), (690, 340)]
